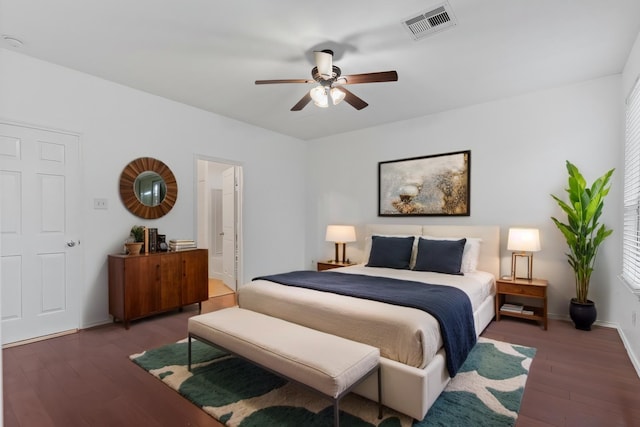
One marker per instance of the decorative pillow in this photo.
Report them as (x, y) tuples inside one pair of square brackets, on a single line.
[(390, 252), (470, 255), (471, 252), (369, 239), (440, 256)]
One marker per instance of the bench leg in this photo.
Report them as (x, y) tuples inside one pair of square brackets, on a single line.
[(379, 393), (189, 351), (336, 413)]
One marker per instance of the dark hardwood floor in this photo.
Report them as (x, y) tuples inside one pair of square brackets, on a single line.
[(86, 379), (577, 378)]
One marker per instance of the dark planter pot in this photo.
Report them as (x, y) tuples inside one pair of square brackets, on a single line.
[(582, 314)]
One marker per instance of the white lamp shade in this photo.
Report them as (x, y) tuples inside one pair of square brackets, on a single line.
[(319, 96), (340, 233), (337, 95), (523, 239)]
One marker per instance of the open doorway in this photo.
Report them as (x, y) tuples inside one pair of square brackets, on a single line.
[(219, 222)]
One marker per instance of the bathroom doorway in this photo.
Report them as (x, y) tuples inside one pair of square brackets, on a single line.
[(219, 221)]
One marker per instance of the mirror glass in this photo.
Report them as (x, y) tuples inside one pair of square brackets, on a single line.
[(150, 188)]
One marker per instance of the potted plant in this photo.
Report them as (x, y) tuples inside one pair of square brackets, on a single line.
[(136, 240), (583, 234)]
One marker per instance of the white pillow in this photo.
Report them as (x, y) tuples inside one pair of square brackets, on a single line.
[(470, 254)]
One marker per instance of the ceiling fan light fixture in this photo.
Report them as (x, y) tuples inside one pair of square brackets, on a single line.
[(319, 96), (330, 82), (337, 95)]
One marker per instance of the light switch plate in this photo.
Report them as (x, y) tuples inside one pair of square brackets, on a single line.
[(100, 204)]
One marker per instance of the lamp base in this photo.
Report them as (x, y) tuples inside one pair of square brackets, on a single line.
[(344, 252), (529, 256)]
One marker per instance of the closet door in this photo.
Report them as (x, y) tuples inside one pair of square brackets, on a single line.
[(41, 256)]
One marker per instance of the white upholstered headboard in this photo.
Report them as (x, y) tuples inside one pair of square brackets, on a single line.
[(489, 259)]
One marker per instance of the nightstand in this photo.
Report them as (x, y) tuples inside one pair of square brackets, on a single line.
[(534, 289), (328, 265)]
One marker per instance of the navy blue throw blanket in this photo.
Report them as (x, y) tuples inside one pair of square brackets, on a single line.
[(449, 305)]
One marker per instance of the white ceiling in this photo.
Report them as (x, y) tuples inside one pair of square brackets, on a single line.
[(208, 53)]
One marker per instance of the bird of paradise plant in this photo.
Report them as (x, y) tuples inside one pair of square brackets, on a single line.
[(582, 231)]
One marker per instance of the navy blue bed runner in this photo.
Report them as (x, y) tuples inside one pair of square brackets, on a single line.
[(450, 306)]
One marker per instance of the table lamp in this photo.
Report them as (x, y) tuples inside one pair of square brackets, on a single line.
[(340, 235), (523, 241)]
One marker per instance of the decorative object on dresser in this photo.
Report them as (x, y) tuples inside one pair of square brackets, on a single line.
[(523, 242), (162, 243), (328, 265), (437, 185), (181, 244), (584, 235), (527, 288), (153, 240), (143, 285), (148, 188), (341, 235), (135, 241)]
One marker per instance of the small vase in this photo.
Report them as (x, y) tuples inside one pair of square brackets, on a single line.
[(134, 248), (582, 314)]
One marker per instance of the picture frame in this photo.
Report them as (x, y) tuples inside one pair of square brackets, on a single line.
[(435, 185)]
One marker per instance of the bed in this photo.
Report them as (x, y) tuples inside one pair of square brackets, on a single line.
[(414, 363)]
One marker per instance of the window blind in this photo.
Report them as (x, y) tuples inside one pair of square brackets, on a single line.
[(631, 226)]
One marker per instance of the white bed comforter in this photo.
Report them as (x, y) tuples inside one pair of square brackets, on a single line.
[(403, 334)]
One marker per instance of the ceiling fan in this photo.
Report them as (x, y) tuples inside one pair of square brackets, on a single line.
[(331, 83)]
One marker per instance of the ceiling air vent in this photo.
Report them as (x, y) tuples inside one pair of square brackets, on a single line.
[(430, 21)]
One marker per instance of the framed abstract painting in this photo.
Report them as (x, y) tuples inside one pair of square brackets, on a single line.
[(436, 185)]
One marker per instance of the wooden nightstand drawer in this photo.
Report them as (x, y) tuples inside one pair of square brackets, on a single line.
[(328, 265), (525, 290)]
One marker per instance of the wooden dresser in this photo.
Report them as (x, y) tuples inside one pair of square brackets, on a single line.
[(146, 284)]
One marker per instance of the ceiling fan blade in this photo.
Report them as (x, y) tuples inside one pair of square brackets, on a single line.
[(268, 82), (382, 76), (324, 62), (302, 103), (355, 101)]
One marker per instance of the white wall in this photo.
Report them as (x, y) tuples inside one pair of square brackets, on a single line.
[(118, 124), (518, 146), (624, 301), (518, 151)]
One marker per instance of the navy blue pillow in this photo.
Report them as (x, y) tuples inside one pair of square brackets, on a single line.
[(390, 252), (440, 256)]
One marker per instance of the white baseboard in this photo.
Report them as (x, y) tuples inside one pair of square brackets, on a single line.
[(42, 338), (627, 346), (566, 317), (97, 323)]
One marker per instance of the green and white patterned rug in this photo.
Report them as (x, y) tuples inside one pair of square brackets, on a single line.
[(486, 392)]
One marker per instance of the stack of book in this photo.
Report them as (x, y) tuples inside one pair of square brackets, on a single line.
[(181, 244), (513, 308)]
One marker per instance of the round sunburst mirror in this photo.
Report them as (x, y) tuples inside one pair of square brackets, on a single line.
[(148, 188)]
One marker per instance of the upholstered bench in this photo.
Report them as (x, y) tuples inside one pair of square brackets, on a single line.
[(326, 363)]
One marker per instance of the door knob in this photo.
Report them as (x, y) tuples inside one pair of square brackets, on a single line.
[(71, 243)]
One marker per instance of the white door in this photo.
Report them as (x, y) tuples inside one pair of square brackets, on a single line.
[(229, 255), (39, 229)]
